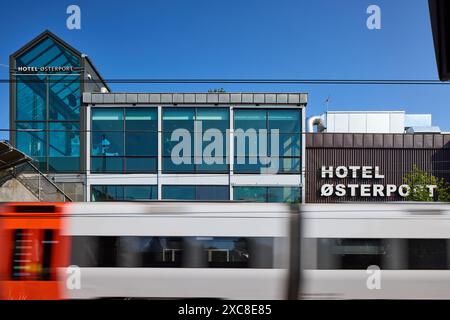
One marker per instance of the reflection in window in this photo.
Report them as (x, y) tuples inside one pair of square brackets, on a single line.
[(183, 192), (47, 97), (351, 253), (286, 121), (124, 140), (162, 252), (64, 146), (183, 118), (123, 192), (226, 252), (268, 194)]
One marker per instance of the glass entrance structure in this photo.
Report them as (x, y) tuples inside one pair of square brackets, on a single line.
[(47, 121), (151, 146)]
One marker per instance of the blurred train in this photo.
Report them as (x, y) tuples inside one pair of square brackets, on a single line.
[(224, 251)]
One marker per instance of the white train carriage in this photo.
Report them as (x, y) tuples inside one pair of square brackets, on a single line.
[(180, 250), (408, 242)]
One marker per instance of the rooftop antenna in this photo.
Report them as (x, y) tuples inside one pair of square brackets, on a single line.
[(327, 101)]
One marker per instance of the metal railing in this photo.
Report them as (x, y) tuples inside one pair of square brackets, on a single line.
[(38, 184)]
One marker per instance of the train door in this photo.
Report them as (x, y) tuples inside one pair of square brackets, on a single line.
[(32, 250)]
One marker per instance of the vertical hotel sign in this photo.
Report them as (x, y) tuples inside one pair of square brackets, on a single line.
[(362, 190)]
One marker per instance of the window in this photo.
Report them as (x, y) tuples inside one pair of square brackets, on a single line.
[(180, 192), (428, 254), (168, 252), (268, 194), (206, 119), (350, 253), (51, 103), (64, 147), (124, 140), (226, 252), (389, 254), (248, 154), (127, 251), (123, 192)]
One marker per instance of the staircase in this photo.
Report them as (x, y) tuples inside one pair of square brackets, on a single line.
[(36, 182)]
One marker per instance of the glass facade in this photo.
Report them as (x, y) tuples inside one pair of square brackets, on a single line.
[(183, 192), (47, 107), (48, 123), (123, 192), (249, 153), (268, 194), (207, 119), (124, 140)]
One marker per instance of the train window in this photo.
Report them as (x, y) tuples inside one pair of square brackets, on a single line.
[(127, 251), (107, 251), (159, 252), (427, 254), (32, 254), (350, 253), (221, 252)]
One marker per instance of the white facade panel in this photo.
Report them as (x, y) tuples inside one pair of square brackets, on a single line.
[(357, 122), (378, 123), (397, 123), (341, 122)]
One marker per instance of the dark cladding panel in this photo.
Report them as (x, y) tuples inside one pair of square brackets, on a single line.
[(438, 141), (377, 140), (418, 141), (394, 162), (358, 141), (318, 141), (368, 140), (428, 141), (348, 140), (408, 141), (447, 141), (338, 140), (310, 140), (398, 141), (328, 141), (388, 140)]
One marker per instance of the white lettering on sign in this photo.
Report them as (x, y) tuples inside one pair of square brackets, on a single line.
[(362, 190)]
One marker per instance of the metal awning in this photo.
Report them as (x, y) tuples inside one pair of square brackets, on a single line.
[(10, 156)]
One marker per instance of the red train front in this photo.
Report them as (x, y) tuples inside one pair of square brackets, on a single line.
[(33, 249)]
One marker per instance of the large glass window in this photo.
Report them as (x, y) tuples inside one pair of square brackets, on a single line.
[(212, 145), (53, 99), (195, 192), (64, 146), (31, 138), (252, 145), (124, 140), (268, 194), (123, 192)]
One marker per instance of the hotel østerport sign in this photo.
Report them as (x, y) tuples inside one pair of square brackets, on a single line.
[(45, 69), (361, 190)]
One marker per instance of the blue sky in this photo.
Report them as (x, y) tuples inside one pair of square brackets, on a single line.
[(285, 39)]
